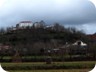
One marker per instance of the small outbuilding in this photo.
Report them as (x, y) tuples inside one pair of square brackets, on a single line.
[(79, 42)]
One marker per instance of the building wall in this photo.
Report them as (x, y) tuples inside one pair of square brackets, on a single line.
[(25, 24)]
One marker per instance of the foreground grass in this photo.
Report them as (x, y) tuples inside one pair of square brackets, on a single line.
[(39, 66), (43, 63), (61, 70)]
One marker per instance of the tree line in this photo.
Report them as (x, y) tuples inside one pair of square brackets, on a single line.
[(32, 41)]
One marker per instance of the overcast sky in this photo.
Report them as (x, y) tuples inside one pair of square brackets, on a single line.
[(76, 13)]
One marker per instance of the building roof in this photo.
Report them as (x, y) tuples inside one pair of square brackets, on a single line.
[(81, 43), (74, 44), (92, 36), (26, 22)]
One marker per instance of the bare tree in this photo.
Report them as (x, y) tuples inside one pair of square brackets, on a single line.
[(58, 27)]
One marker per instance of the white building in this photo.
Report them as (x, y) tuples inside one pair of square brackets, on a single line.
[(40, 24), (79, 43), (24, 24), (36, 25)]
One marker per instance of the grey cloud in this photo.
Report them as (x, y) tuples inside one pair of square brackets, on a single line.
[(67, 12)]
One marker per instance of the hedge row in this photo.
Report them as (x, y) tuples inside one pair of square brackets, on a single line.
[(43, 59)]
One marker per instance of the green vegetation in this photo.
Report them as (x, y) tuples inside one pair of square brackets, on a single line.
[(54, 65), (43, 58), (60, 70), (32, 44)]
